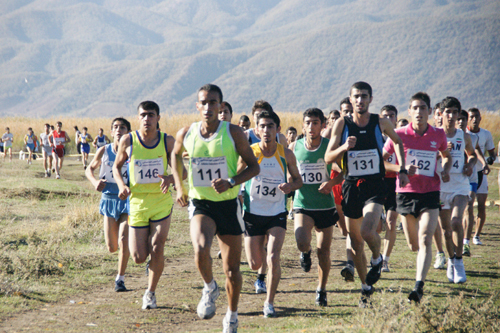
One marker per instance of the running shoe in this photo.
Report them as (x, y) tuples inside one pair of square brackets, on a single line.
[(219, 255), (459, 271), (120, 286), (260, 287), (416, 295), (206, 307), (321, 298), (450, 272), (290, 215), (269, 311), (466, 251), (305, 261), (440, 261), (229, 326), (53, 170), (58, 177), (385, 267), (374, 273), (400, 227), (364, 302), (477, 241), (149, 300), (48, 173), (348, 273)]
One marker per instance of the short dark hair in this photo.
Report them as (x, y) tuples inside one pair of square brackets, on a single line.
[(269, 115), (59, 123), (464, 113), (30, 129), (450, 102), (389, 107), (244, 118), (212, 87), (75, 127), (421, 96), (85, 128), (360, 85), (51, 127), (123, 120), (261, 104), (314, 112), (46, 125), (100, 129), (403, 120), (345, 100), (336, 113), (228, 106), (291, 129), (474, 110), (149, 106)]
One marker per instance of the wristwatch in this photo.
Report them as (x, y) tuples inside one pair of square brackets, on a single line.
[(231, 182), (403, 170)]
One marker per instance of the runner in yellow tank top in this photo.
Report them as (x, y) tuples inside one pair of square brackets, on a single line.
[(213, 147), (150, 198)]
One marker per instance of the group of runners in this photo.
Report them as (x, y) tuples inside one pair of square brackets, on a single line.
[(345, 173)]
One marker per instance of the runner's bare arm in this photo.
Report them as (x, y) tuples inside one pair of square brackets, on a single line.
[(246, 153), (166, 181), (94, 143), (98, 184), (447, 163), (471, 156), (334, 152), (386, 127), (121, 158), (178, 167), (283, 140), (294, 179)]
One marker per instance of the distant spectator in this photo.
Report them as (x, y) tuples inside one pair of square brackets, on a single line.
[(77, 136)]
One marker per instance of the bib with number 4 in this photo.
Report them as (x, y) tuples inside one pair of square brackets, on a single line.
[(363, 162), (206, 169), (147, 171), (458, 161), (266, 188), (424, 160), (107, 172), (313, 173)]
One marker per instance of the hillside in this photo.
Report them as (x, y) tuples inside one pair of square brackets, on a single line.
[(101, 58)]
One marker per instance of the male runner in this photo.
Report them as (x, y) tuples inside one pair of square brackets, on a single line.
[(30, 142), (244, 122), (486, 144), (402, 123), (214, 147), (314, 206), (252, 135), (7, 139), (358, 141), (150, 199), (226, 112), (58, 139), (418, 202), (46, 150), (346, 107), (100, 140), (78, 143), (265, 203), (84, 139), (114, 210), (454, 194), (291, 135)]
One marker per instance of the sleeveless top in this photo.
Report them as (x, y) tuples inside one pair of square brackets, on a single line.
[(459, 182), (364, 161), (146, 163), (262, 195), (83, 139), (30, 139), (59, 139), (106, 170), (314, 171), (101, 141), (209, 159)]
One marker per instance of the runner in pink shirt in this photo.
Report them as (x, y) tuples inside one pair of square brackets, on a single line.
[(418, 202)]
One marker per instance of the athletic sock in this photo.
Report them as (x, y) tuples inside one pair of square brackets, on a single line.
[(152, 292), (365, 287), (231, 315), (458, 258), (210, 286), (120, 278), (419, 284), (385, 258), (261, 277), (377, 261), (350, 262), (466, 241)]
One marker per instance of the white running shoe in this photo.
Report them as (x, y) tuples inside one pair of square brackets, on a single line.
[(269, 311), (206, 307), (440, 261), (450, 272), (477, 241), (385, 267), (229, 326), (148, 300), (260, 287), (459, 271), (58, 177)]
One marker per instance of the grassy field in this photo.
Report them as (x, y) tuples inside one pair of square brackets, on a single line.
[(56, 274)]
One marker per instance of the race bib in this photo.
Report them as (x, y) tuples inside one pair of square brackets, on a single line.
[(424, 160), (313, 173), (206, 169), (458, 161), (363, 162), (60, 141), (107, 172), (147, 171), (266, 188)]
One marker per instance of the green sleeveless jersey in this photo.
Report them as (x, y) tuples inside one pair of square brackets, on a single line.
[(314, 171), (146, 163), (209, 159)]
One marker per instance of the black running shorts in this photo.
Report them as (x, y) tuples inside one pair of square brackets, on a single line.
[(258, 225), (416, 203), (322, 218), (356, 194), (226, 214)]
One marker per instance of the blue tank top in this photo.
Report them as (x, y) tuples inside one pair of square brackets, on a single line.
[(100, 141), (107, 161)]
